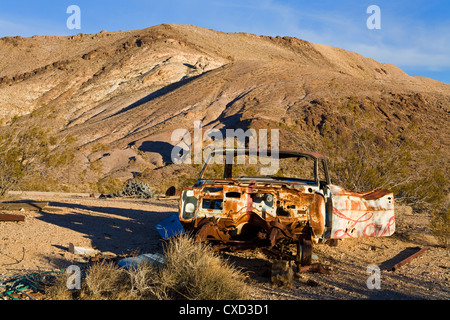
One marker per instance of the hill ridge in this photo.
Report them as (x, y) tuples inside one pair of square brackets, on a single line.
[(126, 91)]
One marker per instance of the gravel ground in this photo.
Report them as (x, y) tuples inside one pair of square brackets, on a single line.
[(124, 226)]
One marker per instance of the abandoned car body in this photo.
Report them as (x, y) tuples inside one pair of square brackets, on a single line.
[(242, 209)]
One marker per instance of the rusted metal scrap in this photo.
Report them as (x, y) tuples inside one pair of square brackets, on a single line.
[(6, 217), (408, 259), (241, 210), (315, 267)]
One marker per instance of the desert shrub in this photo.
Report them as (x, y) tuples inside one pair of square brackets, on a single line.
[(58, 289), (20, 149), (364, 161), (108, 184), (28, 149), (102, 281), (194, 271), (191, 271), (440, 223)]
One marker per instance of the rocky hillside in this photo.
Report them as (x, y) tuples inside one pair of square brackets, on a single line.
[(121, 95)]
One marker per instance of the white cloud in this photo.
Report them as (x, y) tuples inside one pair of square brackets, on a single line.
[(404, 57), (402, 42)]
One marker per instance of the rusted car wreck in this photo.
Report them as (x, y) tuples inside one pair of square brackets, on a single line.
[(234, 207)]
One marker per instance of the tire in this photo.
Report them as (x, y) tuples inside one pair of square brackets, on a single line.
[(304, 252)]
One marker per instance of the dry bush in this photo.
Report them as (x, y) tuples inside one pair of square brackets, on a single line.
[(20, 149), (58, 290), (29, 151), (191, 271), (440, 223), (103, 281), (108, 184)]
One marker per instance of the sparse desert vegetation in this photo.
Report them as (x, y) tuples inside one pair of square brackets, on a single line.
[(87, 113), (191, 272)]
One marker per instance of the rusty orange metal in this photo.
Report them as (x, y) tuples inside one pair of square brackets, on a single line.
[(247, 212)]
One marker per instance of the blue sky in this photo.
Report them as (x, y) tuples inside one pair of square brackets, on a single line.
[(414, 34)]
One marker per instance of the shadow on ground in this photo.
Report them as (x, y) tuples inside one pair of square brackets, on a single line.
[(112, 229)]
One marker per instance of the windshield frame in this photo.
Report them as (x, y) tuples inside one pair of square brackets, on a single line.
[(227, 167)]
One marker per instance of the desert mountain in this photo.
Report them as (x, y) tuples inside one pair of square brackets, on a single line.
[(122, 94)]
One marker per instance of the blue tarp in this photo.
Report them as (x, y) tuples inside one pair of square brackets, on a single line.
[(170, 227)]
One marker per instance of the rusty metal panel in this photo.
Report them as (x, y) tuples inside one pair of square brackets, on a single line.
[(356, 215), (232, 207), (246, 212), (11, 217)]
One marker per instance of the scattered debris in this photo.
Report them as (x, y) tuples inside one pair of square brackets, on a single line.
[(105, 256), (170, 227), (26, 287), (315, 267), (82, 250), (148, 258)]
